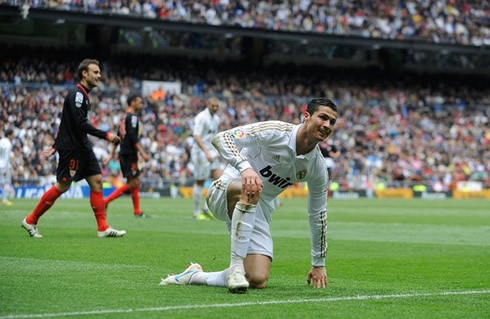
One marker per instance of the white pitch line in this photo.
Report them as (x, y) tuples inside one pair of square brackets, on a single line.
[(245, 304)]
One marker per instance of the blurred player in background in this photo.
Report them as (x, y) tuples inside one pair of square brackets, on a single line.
[(273, 156), (128, 155), (204, 156), (76, 158), (6, 166), (330, 154)]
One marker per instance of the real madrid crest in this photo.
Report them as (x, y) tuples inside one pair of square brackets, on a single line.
[(301, 174)]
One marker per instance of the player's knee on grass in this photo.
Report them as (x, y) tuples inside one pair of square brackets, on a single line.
[(257, 280)]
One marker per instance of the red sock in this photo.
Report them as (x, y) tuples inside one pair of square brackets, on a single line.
[(117, 193), (97, 203), (43, 205), (135, 194)]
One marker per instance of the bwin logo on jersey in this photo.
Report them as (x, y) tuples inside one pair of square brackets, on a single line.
[(275, 179)]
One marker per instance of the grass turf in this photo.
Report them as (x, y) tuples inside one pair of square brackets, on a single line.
[(376, 248)]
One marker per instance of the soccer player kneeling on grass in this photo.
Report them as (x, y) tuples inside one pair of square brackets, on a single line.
[(263, 160), (76, 158)]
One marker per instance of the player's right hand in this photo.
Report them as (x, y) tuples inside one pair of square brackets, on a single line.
[(251, 182), (209, 157), (113, 138)]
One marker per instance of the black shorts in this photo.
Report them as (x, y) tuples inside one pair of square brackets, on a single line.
[(129, 165), (76, 165)]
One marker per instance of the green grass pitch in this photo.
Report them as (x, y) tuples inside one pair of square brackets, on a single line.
[(386, 259)]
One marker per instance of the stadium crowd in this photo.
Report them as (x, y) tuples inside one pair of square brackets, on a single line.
[(440, 21), (394, 131)]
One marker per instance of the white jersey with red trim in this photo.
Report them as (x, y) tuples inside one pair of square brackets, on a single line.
[(270, 149)]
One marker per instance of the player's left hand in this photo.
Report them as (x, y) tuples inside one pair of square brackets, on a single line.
[(113, 138), (318, 277), (49, 153)]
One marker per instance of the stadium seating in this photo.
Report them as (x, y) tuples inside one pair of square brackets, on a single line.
[(390, 131), (441, 21)]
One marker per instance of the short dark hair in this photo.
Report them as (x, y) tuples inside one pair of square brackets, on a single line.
[(8, 132), (316, 103), (84, 66), (133, 97)]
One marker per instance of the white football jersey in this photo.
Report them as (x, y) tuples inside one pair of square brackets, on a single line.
[(5, 151), (270, 149), (206, 126)]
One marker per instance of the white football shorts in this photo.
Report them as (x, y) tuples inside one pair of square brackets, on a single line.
[(203, 168), (5, 176), (217, 200)]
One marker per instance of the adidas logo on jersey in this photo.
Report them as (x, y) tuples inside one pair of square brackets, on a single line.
[(275, 179)]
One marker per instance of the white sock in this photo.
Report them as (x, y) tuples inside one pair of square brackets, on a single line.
[(217, 278), (197, 199), (5, 192), (242, 225)]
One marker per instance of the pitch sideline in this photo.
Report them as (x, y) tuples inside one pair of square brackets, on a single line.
[(245, 304)]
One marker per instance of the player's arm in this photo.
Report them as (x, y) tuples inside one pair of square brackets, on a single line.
[(111, 155), (228, 143), (200, 143), (317, 213), (140, 149), (85, 126), (132, 135)]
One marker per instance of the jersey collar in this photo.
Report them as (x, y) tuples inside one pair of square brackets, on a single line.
[(292, 145)]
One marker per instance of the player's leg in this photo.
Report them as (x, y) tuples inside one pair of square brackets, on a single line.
[(197, 198), (201, 173), (92, 174), (68, 169), (257, 269), (98, 206), (5, 185), (47, 200), (241, 211), (215, 174), (126, 172), (134, 186), (222, 197)]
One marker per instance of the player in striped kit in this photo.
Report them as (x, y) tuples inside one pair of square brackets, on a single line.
[(263, 160)]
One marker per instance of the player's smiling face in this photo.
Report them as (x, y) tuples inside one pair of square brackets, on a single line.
[(92, 75), (321, 123)]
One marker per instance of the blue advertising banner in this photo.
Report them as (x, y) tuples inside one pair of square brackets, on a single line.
[(75, 191)]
